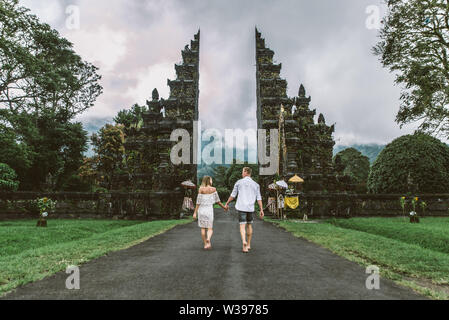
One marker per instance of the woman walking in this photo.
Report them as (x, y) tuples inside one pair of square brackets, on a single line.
[(204, 211)]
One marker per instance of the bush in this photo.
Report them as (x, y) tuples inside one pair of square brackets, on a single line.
[(411, 163), (223, 193), (234, 173), (352, 163), (8, 178)]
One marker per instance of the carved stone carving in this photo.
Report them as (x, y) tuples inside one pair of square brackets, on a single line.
[(309, 144)]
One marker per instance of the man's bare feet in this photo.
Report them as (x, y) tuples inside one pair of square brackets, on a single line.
[(208, 245), (245, 248)]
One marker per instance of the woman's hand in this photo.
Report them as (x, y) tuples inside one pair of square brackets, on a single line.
[(195, 211), (225, 208)]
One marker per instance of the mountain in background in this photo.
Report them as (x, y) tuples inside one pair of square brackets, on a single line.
[(208, 170), (370, 150), (93, 126)]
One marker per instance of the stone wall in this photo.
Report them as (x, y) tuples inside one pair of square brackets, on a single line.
[(365, 205), (157, 205), (70, 205)]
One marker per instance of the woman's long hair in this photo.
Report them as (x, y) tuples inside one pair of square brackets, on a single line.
[(207, 182)]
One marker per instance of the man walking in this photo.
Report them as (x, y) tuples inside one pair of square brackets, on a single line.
[(247, 192)]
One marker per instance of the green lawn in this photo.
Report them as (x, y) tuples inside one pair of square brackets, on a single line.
[(430, 233), (28, 253), (415, 255)]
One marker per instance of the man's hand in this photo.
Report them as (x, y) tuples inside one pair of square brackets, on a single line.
[(194, 216), (259, 202)]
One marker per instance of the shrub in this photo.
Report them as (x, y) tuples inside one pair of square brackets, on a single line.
[(223, 193), (411, 163), (354, 164), (8, 178)]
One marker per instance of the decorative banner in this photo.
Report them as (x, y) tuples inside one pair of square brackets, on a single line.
[(292, 202), (272, 205), (281, 204), (187, 204), (188, 184)]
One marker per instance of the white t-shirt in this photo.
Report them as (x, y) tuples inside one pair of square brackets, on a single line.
[(248, 191)]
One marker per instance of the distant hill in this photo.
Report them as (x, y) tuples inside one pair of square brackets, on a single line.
[(208, 170), (369, 150)]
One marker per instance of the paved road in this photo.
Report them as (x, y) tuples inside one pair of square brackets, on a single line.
[(174, 266)]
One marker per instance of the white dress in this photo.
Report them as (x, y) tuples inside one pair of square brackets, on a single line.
[(206, 209)]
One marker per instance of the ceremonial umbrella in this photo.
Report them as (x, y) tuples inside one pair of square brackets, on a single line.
[(296, 179), (272, 187), (282, 184), (188, 185)]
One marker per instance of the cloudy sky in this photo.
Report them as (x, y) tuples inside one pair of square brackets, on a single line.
[(324, 44)]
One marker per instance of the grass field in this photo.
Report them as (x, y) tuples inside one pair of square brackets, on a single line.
[(415, 255), (28, 253)]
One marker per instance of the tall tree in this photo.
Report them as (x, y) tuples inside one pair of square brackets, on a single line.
[(219, 175), (417, 163), (44, 84), (39, 69), (352, 163), (8, 178), (56, 146), (234, 173), (89, 172), (109, 146), (14, 150), (414, 44), (131, 118)]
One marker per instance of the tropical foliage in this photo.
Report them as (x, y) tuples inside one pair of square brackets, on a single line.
[(44, 85), (411, 163), (225, 177), (131, 118), (352, 163), (8, 178), (371, 150), (414, 45), (109, 146)]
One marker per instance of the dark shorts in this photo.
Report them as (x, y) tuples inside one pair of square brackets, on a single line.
[(245, 217)]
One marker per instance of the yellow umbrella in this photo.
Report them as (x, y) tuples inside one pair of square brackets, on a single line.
[(296, 179)]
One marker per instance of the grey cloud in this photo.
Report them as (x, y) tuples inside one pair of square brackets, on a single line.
[(323, 44)]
